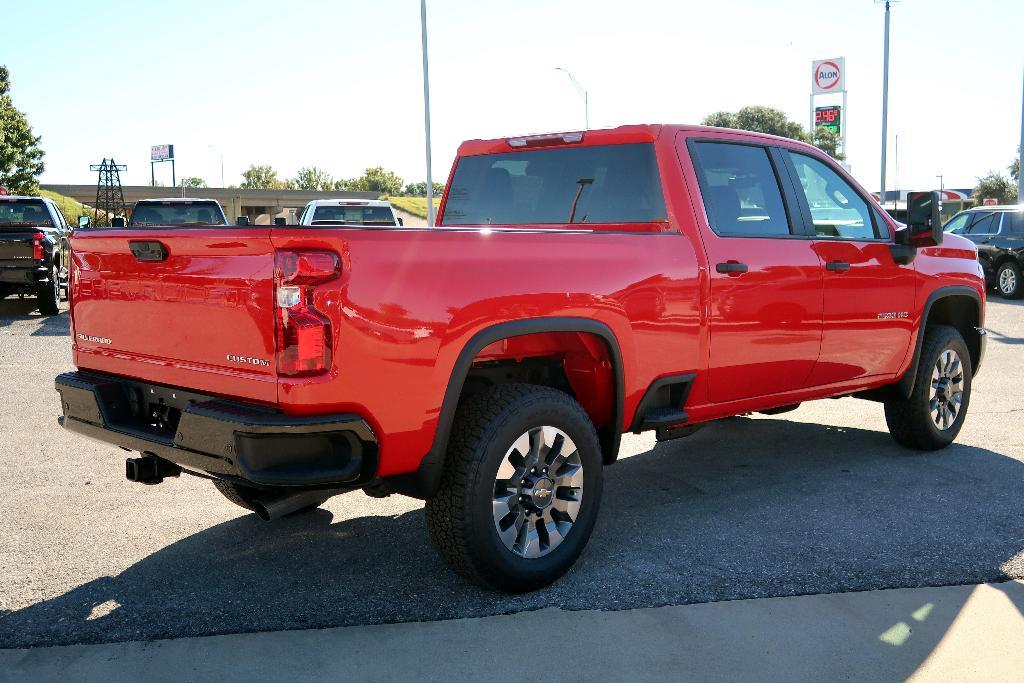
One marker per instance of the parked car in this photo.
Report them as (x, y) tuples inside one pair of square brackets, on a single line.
[(998, 232), (177, 211), (578, 286), (34, 250), (349, 212)]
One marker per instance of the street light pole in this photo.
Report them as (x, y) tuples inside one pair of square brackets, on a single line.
[(885, 97), (583, 93), (1020, 156), (426, 112)]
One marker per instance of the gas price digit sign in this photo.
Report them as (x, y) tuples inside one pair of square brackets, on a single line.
[(829, 117)]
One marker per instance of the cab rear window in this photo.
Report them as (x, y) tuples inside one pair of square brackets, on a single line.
[(577, 185), (194, 214), (24, 212)]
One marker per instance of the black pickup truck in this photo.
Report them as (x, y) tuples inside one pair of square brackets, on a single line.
[(34, 250)]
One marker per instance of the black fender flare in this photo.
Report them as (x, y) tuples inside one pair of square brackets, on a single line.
[(904, 387), (424, 481)]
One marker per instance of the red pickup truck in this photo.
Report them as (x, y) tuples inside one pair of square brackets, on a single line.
[(577, 286)]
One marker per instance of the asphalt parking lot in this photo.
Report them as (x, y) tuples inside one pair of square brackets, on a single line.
[(820, 500)]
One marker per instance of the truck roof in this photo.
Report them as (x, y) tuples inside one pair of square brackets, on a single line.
[(645, 132), (177, 200), (349, 201)]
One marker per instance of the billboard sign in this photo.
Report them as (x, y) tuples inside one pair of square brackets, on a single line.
[(828, 76), (991, 201), (161, 152)]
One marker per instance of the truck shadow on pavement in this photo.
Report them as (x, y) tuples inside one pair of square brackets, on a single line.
[(27, 310), (756, 508)]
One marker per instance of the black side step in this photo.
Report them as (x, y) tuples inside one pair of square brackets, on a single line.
[(663, 403)]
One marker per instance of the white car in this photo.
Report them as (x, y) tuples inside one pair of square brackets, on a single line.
[(349, 212)]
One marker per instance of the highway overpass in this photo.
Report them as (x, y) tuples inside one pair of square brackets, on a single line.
[(260, 205)]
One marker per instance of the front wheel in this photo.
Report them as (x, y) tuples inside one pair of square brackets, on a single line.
[(933, 415), (1008, 280), (520, 490)]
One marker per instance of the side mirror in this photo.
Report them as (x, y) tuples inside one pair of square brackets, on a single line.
[(923, 219), (400, 221), (280, 221), (117, 222), (83, 221), (242, 220)]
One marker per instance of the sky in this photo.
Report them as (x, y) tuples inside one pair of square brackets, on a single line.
[(338, 84)]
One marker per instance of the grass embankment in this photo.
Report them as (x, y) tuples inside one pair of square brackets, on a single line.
[(71, 208), (417, 206)]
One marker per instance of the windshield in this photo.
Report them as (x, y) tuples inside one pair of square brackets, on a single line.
[(599, 184), (27, 212), (177, 213), (359, 215)]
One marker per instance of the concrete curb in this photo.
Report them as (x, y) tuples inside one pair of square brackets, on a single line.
[(947, 633)]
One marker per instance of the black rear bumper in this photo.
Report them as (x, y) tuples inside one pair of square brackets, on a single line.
[(23, 273), (225, 439)]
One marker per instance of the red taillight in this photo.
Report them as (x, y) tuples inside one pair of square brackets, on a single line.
[(37, 246), (303, 334)]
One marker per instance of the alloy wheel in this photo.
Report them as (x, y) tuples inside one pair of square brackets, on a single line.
[(1007, 281), (538, 491), (947, 391)]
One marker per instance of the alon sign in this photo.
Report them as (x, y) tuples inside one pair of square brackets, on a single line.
[(828, 75)]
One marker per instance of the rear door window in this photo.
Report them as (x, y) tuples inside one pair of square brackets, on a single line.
[(586, 185), (1013, 223), (740, 188)]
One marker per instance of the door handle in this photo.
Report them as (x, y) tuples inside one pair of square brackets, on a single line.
[(149, 251), (731, 268), (837, 266)]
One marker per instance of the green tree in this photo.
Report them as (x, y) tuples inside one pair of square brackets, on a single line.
[(260, 178), (775, 122), (995, 186), (1015, 167), (193, 182), (313, 178), (377, 180), (420, 189), (21, 157)]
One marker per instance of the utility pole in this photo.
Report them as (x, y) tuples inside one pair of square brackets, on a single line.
[(1020, 156), (942, 186), (583, 93), (426, 111), (885, 96)]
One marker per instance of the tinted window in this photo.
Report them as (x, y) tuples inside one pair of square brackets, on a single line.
[(956, 223), (26, 212), (600, 184), (983, 224), (1013, 223), (836, 208), (740, 189), (176, 213), (353, 215)]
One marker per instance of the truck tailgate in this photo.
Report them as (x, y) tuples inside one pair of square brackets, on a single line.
[(182, 307), (16, 244)]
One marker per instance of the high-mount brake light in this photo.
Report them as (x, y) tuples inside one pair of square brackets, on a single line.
[(547, 140), (303, 334), (37, 246)]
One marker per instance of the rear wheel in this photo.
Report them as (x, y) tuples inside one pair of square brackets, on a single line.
[(1008, 280), (49, 294), (933, 415), (521, 488)]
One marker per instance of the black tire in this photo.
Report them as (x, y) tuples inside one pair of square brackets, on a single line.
[(1014, 286), (246, 496), (460, 517), (910, 421), (49, 294)]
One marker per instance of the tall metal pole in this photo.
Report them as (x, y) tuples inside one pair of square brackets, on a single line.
[(426, 112), (580, 89), (1020, 157), (885, 98)]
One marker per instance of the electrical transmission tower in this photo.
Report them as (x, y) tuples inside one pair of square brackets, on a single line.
[(109, 195)]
